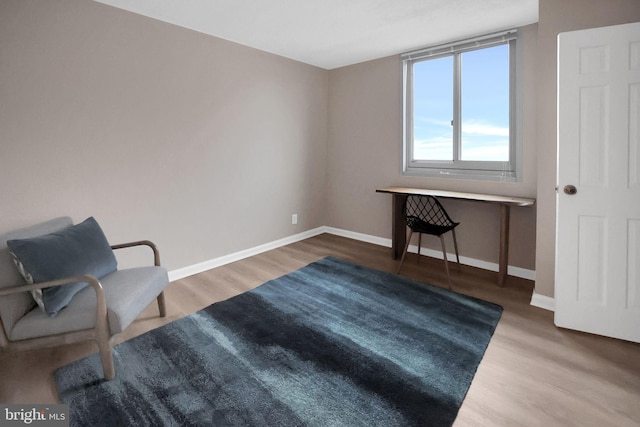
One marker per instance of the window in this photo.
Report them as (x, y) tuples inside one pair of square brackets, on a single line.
[(460, 110)]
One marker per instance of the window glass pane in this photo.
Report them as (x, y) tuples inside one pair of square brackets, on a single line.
[(433, 109), (485, 104)]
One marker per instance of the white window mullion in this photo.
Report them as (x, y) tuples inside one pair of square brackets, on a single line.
[(409, 102), (513, 116), (457, 113)]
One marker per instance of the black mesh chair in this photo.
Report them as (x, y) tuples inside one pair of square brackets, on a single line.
[(425, 214)]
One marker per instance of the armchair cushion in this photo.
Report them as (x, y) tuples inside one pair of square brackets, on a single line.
[(13, 307), (127, 293), (75, 250)]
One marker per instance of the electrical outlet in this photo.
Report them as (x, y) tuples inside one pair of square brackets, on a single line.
[(294, 219)]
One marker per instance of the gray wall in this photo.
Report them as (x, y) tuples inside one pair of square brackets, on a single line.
[(204, 146)]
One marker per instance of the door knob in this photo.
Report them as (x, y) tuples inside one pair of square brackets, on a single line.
[(570, 190)]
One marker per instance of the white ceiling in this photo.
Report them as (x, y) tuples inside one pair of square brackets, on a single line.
[(335, 33)]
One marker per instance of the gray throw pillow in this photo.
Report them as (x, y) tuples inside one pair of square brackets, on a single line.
[(79, 249)]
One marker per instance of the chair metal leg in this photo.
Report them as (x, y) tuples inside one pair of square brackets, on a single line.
[(446, 263), (455, 244), (419, 245), (406, 247)]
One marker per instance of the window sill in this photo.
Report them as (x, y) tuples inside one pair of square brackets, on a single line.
[(466, 174)]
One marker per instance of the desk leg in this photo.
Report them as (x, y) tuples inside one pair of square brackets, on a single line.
[(398, 226), (505, 211)]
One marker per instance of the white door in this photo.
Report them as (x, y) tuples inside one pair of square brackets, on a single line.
[(597, 278)]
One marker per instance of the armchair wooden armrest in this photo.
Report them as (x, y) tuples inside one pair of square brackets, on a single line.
[(156, 254), (156, 261), (95, 283)]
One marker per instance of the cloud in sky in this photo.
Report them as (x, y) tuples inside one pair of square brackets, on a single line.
[(496, 151), (481, 141), (437, 148), (478, 128), (475, 127), (441, 149)]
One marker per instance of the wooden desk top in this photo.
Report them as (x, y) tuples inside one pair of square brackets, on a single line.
[(507, 200)]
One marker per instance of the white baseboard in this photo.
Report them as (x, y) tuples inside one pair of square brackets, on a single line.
[(236, 256), (190, 270), (380, 241), (543, 301), (485, 265)]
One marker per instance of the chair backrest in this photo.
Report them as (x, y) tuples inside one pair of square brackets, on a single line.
[(14, 307), (427, 209)]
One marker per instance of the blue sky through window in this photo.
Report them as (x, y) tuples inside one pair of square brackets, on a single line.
[(484, 106)]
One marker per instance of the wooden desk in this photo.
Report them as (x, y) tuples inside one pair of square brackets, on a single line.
[(399, 230)]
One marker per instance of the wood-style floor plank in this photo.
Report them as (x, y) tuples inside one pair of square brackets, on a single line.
[(533, 374)]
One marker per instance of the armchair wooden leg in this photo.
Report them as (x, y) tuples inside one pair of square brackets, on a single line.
[(161, 305), (106, 356)]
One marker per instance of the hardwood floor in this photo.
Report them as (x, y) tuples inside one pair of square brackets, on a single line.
[(533, 374)]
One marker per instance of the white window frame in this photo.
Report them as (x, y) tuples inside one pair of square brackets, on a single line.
[(464, 169)]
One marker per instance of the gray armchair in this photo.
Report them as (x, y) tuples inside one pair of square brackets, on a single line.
[(96, 312)]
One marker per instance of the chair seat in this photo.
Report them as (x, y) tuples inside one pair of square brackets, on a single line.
[(127, 293), (417, 225)]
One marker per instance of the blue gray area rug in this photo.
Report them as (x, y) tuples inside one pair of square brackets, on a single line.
[(331, 344)]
